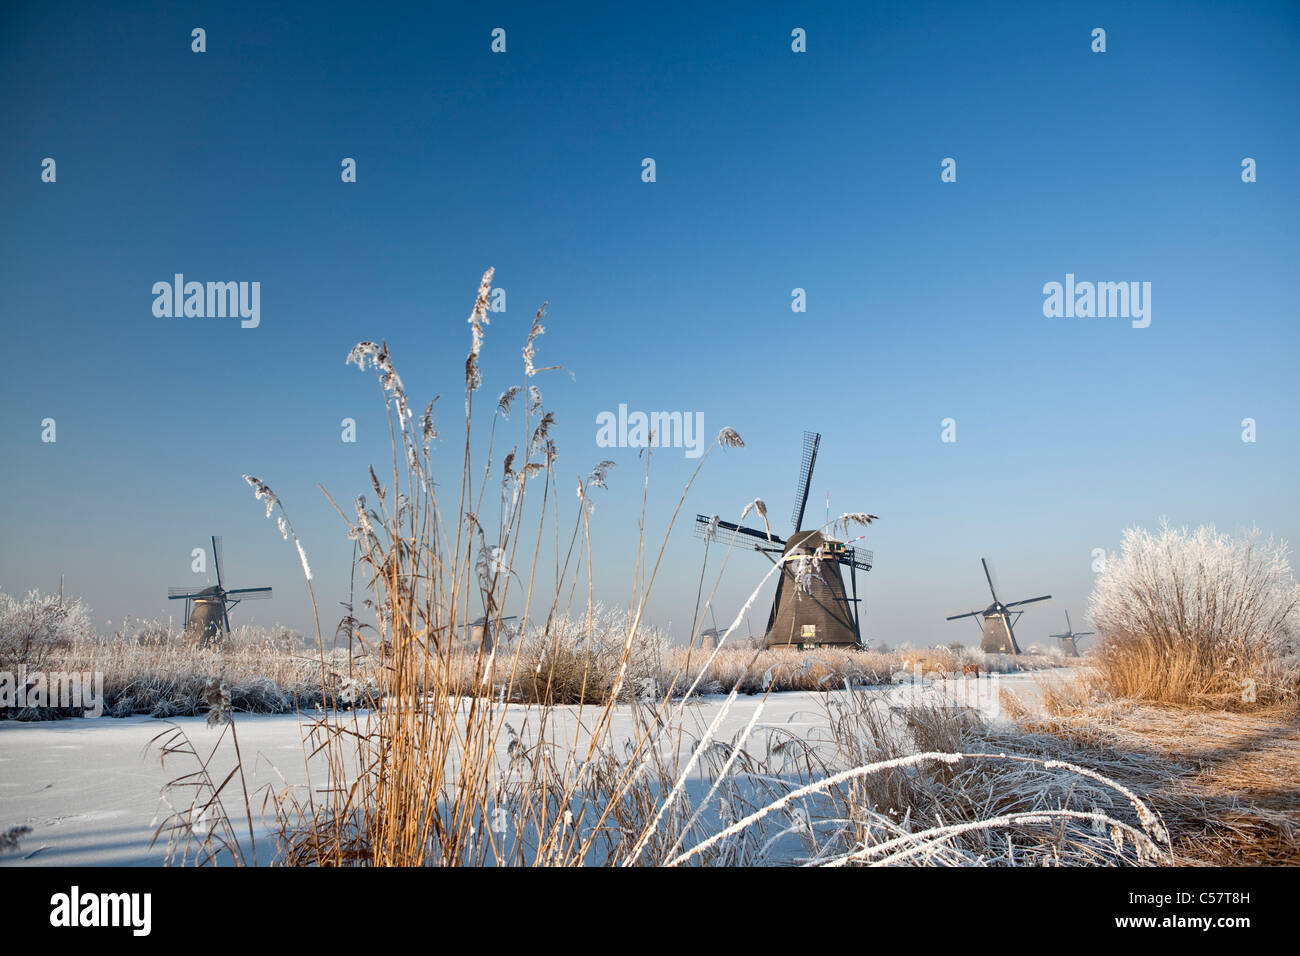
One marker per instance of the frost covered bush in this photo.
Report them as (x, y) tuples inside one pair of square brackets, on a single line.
[(1198, 617), (37, 624), (577, 659)]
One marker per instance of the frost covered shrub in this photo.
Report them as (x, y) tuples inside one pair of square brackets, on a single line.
[(578, 659), (37, 624), (1198, 617)]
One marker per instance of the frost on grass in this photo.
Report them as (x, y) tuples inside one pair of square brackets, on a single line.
[(729, 438), (37, 625), (1198, 617)]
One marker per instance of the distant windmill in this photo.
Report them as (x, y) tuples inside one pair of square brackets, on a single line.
[(480, 632), (209, 617), (1070, 639), (999, 620), (811, 608)]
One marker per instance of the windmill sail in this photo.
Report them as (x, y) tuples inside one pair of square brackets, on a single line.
[(811, 441), (216, 557), (988, 576), (714, 529), (250, 594), (1045, 597)]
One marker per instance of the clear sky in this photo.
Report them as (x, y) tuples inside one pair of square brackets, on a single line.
[(775, 170)]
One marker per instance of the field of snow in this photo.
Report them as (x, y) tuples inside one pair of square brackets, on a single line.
[(90, 789)]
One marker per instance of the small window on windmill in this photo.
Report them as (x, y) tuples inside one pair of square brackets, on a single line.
[(808, 631)]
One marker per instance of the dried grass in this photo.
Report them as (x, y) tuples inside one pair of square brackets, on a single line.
[(1226, 782), (149, 669)]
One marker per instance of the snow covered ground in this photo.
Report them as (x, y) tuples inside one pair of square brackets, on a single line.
[(90, 789)]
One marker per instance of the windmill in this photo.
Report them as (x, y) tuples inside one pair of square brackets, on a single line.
[(480, 632), (999, 619), (1070, 639), (207, 609), (811, 608)]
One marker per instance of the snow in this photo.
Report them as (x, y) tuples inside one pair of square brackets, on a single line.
[(90, 788)]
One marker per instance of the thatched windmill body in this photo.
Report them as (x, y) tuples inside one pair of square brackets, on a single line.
[(1070, 639), (207, 609), (811, 608), (999, 635)]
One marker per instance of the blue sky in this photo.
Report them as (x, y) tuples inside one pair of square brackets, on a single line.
[(775, 170)]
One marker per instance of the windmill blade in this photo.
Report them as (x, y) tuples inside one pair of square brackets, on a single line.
[(225, 617), (177, 594), (481, 620), (1045, 597), (811, 440), (724, 532), (216, 556), (250, 594), (1086, 634), (860, 559), (958, 617), (1068, 626), (988, 576)]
